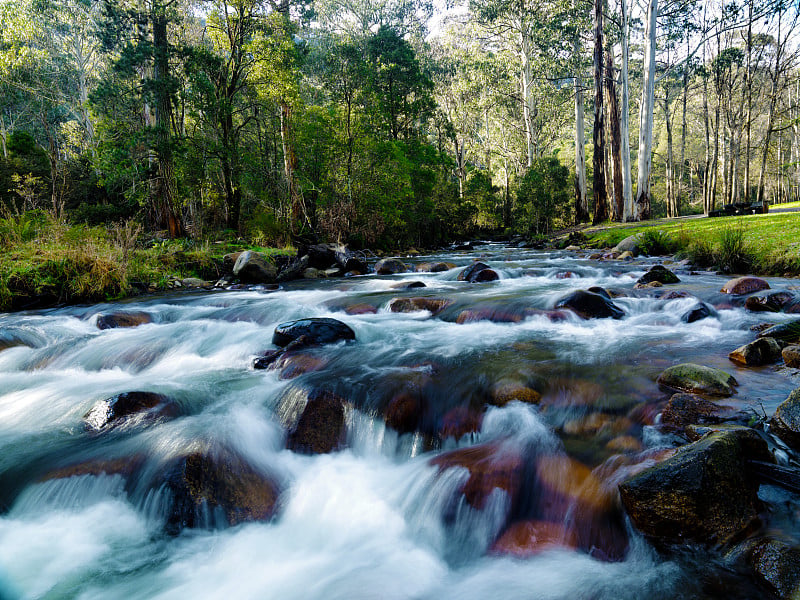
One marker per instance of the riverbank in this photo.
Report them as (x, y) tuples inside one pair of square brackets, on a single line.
[(759, 244)]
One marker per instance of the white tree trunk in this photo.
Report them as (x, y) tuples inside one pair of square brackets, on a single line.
[(628, 214), (646, 116), (526, 92)]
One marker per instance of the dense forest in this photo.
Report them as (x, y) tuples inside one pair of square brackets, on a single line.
[(389, 123)]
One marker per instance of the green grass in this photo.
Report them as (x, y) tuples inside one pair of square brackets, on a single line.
[(766, 244), (786, 205)]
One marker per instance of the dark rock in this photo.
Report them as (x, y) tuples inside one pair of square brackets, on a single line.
[(595, 289), (253, 267), (433, 305), (324, 256), (697, 379), (219, 482), (291, 364), (314, 419), (361, 309), (294, 269), (787, 332), (404, 412), (777, 564), (408, 285), (699, 311), (438, 267), (390, 266), (318, 330), (269, 357), (660, 274), (688, 409), (123, 319), (588, 305), (484, 275), (791, 356), (471, 271), (122, 408), (460, 421), (125, 466), (702, 494), (229, 260), (744, 285), (785, 423), (770, 303), (490, 466), (762, 351)]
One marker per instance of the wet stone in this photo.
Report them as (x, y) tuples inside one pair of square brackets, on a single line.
[(698, 379), (762, 351), (791, 356), (319, 330), (744, 285), (785, 423), (123, 319), (687, 409), (699, 311), (659, 274), (588, 305), (122, 408), (405, 305), (777, 564), (390, 266)]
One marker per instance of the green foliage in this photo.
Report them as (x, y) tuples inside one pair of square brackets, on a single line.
[(732, 253), (544, 197), (655, 242)]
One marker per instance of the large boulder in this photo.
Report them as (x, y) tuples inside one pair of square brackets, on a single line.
[(698, 379), (630, 244), (770, 303), (253, 267), (703, 494), (313, 331), (660, 274), (314, 420), (787, 332), (688, 409), (785, 423), (472, 272), (777, 564), (128, 408), (744, 285), (323, 256), (432, 305), (216, 482), (791, 356), (589, 305), (404, 412), (123, 319), (762, 351), (294, 269), (390, 266)]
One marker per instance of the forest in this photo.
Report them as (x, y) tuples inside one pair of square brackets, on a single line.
[(394, 123)]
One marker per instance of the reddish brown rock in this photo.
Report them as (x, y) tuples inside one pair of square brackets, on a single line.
[(504, 392), (294, 364), (361, 309), (460, 421), (744, 285), (762, 351), (432, 305), (390, 266), (404, 412), (597, 423), (687, 409), (791, 356), (123, 319), (490, 466), (128, 408), (625, 443), (529, 538), (314, 420)]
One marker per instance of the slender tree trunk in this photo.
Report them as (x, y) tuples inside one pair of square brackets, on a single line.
[(3, 135), (645, 157), (598, 133), (581, 199), (672, 200), (616, 139), (629, 210), (682, 164), (292, 209), (525, 80)]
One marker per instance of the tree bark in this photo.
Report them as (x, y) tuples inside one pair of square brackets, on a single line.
[(616, 138), (629, 211), (646, 107), (581, 198), (598, 134)]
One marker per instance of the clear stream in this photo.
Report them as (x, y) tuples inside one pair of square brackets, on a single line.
[(376, 520)]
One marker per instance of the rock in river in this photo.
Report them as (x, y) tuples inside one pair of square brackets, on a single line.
[(404, 305), (318, 330), (777, 564), (744, 285), (127, 407), (253, 267), (697, 379), (687, 409), (390, 266), (478, 272), (589, 305), (785, 423), (660, 274), (699, 311), (762, 351), (123, 319), (703, 494), (791, 356), (314, 420)]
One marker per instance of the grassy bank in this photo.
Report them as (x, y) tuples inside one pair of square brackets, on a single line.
[(44, 262), (760, 244)]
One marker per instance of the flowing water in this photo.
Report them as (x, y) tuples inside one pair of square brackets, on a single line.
[(386, 516)]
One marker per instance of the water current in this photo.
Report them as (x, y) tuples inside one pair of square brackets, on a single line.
[(380, 518)]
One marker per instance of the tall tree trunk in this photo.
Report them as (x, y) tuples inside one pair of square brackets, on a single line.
[(645, 158), (773, 101), (292, 209), (525, 82), (598, 133), (165, 188), (749, 86), (616, 138), (629, 210), (682, 164), (672, 200), (581, 199)]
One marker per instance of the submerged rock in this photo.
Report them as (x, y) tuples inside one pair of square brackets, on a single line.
[(697, 379), (588, 305), (688, 409), (787, 332), (460, 421), (203, 484), (438, 267), (785, 423), (314, 420), (390, 266), (123, 319), (744, 285), (699, 311), (529, 538), (504, 392), (404, 412), (762, 351), (659, 274), (702, 494), (126, 408), (317, 330), (253, 267), (432, 305)]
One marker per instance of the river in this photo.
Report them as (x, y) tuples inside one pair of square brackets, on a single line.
[(380, 518)]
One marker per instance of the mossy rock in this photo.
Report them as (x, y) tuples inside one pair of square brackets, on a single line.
[(698, 379)]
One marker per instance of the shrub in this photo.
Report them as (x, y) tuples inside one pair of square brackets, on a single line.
[(543, 199), (732, 253), (655, 242)]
